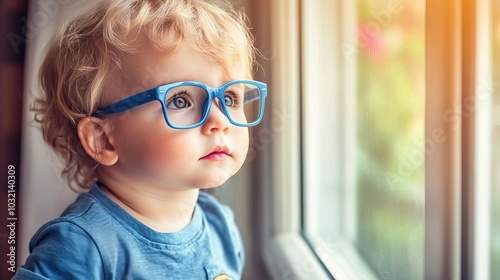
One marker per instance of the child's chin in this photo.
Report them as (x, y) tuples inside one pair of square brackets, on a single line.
[(212, 186), (217, 182)]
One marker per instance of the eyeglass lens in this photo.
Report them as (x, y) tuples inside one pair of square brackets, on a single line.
[(185, 104)]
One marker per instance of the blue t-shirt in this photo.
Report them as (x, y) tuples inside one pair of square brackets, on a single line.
[(96, 239)]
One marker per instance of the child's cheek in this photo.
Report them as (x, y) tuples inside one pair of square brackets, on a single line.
[(242, 143)]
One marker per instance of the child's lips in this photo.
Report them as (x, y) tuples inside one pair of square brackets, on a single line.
[(217, 154)]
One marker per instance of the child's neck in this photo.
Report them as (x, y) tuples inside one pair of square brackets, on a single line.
[(162, 211)]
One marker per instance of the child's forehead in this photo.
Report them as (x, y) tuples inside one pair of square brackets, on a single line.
[(148, 60), (178, 49), (148, 67)]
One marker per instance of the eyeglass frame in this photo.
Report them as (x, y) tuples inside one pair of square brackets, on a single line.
[(159, 93)]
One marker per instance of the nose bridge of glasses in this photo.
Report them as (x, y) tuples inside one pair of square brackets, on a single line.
[(215, 97)]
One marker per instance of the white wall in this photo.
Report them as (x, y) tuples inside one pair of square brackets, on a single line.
[(44, 195)]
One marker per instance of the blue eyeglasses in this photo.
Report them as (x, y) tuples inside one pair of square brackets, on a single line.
[(187, 104)]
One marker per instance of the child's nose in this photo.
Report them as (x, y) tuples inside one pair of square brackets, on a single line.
[(216, 120)]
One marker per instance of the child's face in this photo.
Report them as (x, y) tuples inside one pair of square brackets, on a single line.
[(151, 152)]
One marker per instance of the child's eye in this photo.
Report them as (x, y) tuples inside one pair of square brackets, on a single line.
[(178, 102), (231, 99), (228, 100)]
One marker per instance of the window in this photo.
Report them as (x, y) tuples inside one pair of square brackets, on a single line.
[(363, 133), (395, 174)]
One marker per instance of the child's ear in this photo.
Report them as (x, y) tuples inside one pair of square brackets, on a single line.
[(93, 136)]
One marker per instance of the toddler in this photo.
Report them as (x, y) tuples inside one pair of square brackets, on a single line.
[(148, 102)]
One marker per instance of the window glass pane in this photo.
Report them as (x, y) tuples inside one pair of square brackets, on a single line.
[(364, 162), (495, 203), (390, 170)]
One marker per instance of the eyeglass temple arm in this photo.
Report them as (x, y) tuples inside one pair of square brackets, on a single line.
[(251, 95), (127, 103)]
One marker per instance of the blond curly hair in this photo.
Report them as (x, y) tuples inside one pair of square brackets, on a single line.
[(85, 55)]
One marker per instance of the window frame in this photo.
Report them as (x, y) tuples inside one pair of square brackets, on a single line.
[(477, 89), (457, 187), (284, 251)]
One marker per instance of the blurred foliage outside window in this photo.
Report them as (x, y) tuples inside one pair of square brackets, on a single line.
[(390, 136)]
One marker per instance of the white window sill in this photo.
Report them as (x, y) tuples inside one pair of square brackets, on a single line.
[(288, 257)]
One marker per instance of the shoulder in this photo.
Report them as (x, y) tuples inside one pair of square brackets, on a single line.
[(219, 216), (63, 250), (211, 206), (222, 226), (67, 228)]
